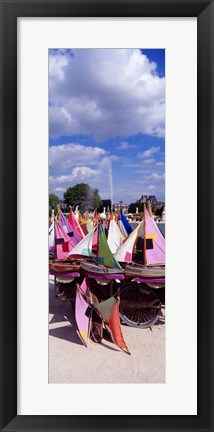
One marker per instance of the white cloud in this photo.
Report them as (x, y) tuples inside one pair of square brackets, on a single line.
[(66, 156), (57, 64), (131, 190), (151, 187), (128, 190), (59, 189), (149, 152), (124, 145), (149, 161), (99, 177), (77, 174), (156, 176), (105, 93)]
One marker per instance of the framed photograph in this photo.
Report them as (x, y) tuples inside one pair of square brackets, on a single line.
[(149, 68)]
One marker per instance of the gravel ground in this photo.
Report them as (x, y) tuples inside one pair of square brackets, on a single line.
[(71, 362)]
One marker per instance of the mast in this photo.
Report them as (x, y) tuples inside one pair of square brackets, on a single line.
[(58, 213), (138, 231), (144, 237), (54, 239), (98, 237), (55, 256), (52, 215)]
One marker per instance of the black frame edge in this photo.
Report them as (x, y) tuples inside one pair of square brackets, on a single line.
[(8, 244)]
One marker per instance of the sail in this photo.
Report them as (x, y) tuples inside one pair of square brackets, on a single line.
[(84, 228), (89, 225), (109, 310), (105, 256), (82, 316), (154, 241), (121, 227), (150, 209), (115, 328), (75, 224), (66, 226), (96, 234), (84, 247), (62, 242), (105, 223), (105, 308), (126, 223), (51, 238), (115, 237), (125, 252), (84, 288)]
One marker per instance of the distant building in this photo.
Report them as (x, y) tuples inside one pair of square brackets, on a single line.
[(119, 206), (143, 199), (153, 201)]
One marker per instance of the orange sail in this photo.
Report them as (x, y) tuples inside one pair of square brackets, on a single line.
[(115, 328)]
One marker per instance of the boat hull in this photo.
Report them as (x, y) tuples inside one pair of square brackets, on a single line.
[(137, 270), (63, 267), (99, 269)]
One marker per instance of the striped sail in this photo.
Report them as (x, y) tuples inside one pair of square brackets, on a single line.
[(122, 228), (126, 223)]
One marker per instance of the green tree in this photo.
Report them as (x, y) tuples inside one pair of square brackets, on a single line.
[(96, 200), (105, 203), (133, 206), (159, 210), (53, 200), (82, 195)]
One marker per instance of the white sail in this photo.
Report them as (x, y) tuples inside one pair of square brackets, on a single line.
[(122, 228), (124, 253), (84, 247), (51, 238), (115, 237)]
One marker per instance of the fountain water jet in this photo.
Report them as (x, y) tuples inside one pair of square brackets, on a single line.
[(111, 185)]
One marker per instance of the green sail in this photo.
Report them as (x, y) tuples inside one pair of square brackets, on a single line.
[(105, 256)]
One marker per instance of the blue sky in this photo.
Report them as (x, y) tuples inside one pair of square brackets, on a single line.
[(107, 121)]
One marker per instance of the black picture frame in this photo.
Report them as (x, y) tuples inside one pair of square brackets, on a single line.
[(10, 11)]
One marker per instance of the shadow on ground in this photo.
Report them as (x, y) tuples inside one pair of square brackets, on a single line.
[(67, 333), (62, 312)]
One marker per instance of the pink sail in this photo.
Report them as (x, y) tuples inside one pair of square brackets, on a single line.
[(155, 242), (96, 232), (82, 315), (66, 226), (62, 242), (51, 238), (75, 224)]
